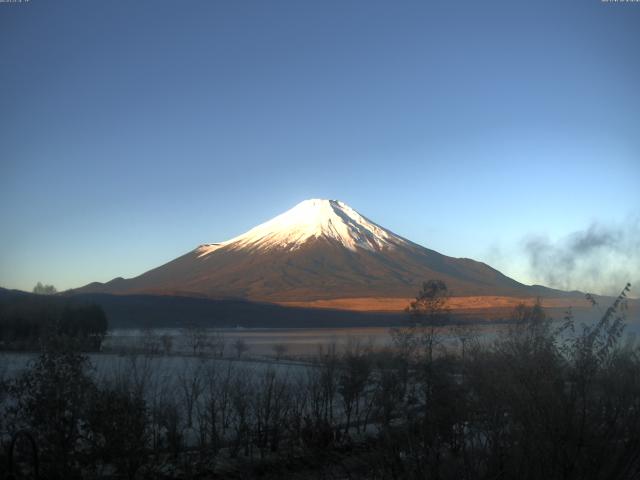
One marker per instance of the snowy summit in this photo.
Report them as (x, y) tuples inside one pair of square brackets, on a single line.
[(315, 218)]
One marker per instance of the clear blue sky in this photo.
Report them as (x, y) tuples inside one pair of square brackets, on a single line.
[(130, 132)]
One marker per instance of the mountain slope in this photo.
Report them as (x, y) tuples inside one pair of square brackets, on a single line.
[(320, 249)]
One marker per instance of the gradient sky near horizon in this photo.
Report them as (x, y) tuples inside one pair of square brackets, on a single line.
[(504, 131)]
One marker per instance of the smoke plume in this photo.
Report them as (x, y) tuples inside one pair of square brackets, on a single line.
[(600, 259)]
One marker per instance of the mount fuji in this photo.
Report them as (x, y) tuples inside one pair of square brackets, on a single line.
[(318, 251)]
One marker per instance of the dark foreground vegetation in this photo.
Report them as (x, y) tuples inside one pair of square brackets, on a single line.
[(541, 401), (27, 320)]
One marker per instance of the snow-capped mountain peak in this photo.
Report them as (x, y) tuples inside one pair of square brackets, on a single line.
[(318, 250), (315, 218)]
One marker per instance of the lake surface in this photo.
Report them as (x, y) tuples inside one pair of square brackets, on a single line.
[(262, 344), (301, 342), (298, 342)]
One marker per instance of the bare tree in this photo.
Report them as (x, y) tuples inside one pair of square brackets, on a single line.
[(240, 347), (467, 335), (240, 396), (150, 342), (270, 408), (191, 388), (280, 349), (216, 405), (428, 311), (167, 343), (328, 380), (196, 337), (352, 381), (218, 343)]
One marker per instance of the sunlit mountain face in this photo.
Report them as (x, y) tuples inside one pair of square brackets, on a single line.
[(318, 250)]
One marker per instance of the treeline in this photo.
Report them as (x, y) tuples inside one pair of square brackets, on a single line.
[(26, 320), (540, 401)]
